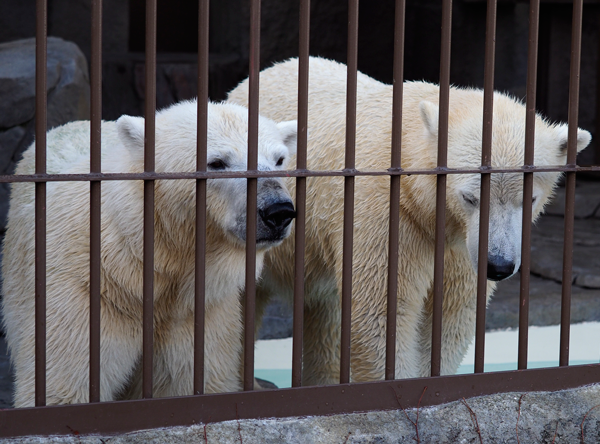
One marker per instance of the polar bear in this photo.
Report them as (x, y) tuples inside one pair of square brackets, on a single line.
[(324, 215), (122, 253)]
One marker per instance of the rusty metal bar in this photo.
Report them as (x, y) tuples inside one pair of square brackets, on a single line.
[(95, 197), (532, 55), (126, 416), (567, 278), (149, 146), (202, 141), (41, 57), (300, 228), (440, 205), (486, 162), (396, 163), (352, 70), (14, 178), (250, 300)]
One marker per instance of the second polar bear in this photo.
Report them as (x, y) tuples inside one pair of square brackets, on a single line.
[(122, 254), (324, 215)]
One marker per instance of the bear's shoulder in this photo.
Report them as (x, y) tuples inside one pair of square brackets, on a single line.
[(68, 148)]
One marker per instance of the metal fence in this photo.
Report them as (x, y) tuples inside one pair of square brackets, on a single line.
[(122, 416)]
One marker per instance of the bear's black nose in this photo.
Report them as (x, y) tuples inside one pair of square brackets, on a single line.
[(277, 216), (499, 268)]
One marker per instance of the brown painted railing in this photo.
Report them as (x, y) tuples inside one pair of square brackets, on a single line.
[(123, 416)]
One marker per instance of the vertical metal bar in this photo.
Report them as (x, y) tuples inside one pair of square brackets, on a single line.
[(202, 141), (300, 234), (150, 139), (440, 209), (390, 342), (352, 70), (95, 197), (250, 301), (40, 200), (565, 321), (532, 53), (486, 162)]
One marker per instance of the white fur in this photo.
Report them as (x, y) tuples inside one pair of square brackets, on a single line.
[(122, 256), (324, 221)]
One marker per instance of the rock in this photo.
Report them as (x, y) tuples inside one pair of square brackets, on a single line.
[(177, 81), (544, 304), (9, 143), (17, 81), (547, 250), (587, 200), (277, 321), (68, 99), (67, 82), (587, 280), (267, 385), (4, 201), (548, 228)]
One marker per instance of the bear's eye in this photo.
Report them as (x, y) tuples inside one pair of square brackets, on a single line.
[(217, 165), (533, 201), (470, 199), (280, 161)]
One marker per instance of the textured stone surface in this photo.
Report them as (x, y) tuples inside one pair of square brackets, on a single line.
[(177, 81), (544, 304), (547, 250), (9, 144), (67, 79), (68, 98), (587, 201), (277, 321), (537, 417)]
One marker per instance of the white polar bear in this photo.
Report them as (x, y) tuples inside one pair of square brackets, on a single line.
[(324, 220), (122, 232)]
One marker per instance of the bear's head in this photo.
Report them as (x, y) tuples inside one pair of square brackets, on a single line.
[(506, 189), (227, 150)]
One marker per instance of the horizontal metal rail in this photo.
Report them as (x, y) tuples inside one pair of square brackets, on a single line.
[(13, 178), (126, 416)]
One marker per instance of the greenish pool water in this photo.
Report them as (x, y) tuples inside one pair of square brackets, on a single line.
[(281, 378), (469, 368)]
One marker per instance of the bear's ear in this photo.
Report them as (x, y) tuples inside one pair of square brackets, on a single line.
[(583, 138), (289, 132), (131, 131), (430, 115)]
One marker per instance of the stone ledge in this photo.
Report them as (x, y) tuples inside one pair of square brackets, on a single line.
[(543, 417)]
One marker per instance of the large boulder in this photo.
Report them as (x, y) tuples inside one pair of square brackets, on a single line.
[(68, 98)]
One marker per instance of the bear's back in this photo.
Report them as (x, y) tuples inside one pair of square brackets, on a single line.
[(68, 150)]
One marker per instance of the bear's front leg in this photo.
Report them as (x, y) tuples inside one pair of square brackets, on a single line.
[(174, 352), (458, 314), (369, 329), (321, 355), (67, 353)]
